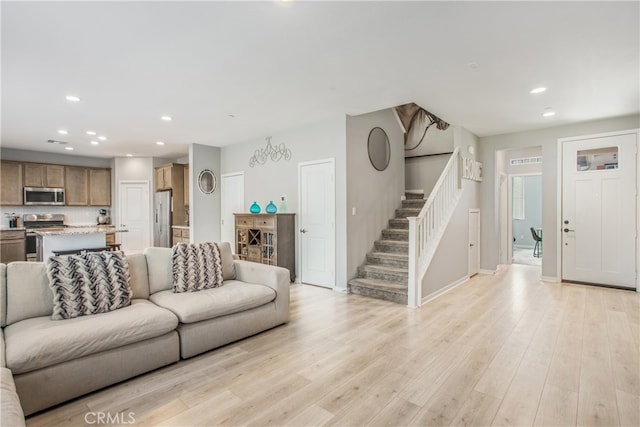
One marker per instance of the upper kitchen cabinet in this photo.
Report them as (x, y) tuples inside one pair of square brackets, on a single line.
[(10, 183), (100, 187), (77, 188), (170, 177), (43, 175)]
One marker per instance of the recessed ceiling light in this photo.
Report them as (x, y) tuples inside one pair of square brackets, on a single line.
[(473, 65), (129, 155), (102, 138), (548, 114), (95, 143), (159, 142), (72, 98), (538, 90), (166, 118), (68, 148), (90, 132), (62, 132)]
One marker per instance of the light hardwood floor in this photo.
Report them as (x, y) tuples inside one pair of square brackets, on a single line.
[(498, 350)]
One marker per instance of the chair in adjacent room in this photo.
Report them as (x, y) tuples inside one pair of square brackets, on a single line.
[(537, 249)]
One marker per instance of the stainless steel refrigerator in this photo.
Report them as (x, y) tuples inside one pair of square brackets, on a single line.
[(162, 219)]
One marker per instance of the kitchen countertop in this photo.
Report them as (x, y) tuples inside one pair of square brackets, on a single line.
[(71, 230), (182, 227), (12, 229)]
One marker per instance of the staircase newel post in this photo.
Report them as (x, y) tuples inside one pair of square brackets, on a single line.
[(414, 290)]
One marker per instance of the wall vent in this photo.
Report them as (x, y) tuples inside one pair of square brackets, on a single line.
[(526, 161)]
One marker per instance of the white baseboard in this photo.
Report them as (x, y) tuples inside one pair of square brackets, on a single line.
[(444, 290), (551, 279), (483, 271), (341, 290)]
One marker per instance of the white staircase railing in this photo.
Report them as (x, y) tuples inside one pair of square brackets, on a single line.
[(426, 230)]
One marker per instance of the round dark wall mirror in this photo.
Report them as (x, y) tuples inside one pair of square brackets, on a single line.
[(379, 149)]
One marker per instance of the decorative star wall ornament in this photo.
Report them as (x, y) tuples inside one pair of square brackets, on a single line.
[(260, 156)]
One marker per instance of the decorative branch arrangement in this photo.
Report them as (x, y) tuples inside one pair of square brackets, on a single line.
[(276, 153)]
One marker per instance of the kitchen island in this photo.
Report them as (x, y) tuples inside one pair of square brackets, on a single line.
[(72, 239)]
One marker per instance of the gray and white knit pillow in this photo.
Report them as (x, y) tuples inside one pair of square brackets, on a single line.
[(196, 266), (96, 282)]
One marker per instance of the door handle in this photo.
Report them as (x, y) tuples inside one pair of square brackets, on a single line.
[(471, 245), (566, 230), (302, 230)]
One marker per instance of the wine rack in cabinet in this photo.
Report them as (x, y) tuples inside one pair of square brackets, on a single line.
[(267, 239)]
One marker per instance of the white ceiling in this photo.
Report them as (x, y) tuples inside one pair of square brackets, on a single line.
[(276, 65)]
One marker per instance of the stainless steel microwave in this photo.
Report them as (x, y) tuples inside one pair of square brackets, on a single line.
[(43, 196)]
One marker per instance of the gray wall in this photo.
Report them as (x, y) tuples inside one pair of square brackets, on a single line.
[(204, 212), (451, 260), (318, 141), (375, 195), (548, 140), (422, 173), (53, 158), (532, 212)]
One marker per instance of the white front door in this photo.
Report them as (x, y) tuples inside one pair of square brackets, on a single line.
[(599, 210), (316, 222), (134, 215), (474, 242), (231, 201)]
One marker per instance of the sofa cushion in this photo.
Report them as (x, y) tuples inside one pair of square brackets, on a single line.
[(91, 283), (159, 266), (196, 266), (10, 412), (28, 292), (234, 296), (40, 342), (139, 279)]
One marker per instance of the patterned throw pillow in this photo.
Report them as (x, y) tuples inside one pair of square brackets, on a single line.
[(96, 282), (196, 266)]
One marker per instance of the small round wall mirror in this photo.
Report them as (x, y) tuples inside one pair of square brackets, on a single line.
[(379, 149), (207, 181)]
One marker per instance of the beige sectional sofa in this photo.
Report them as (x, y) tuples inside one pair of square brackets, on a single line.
[(55, 360)]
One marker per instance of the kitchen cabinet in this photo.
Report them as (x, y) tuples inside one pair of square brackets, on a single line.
[(267, 239), (10, 183), (77, 186), (180, 235), (12, 246), (99, 187), (171, 178), (165, 176), (43, 175)]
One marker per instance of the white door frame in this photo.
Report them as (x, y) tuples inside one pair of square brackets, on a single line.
[(510, 212), (222, 177), (332, 162), (471, 211), (559, 198)]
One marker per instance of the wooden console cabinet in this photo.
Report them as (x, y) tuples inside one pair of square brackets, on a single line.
[(267, 239)]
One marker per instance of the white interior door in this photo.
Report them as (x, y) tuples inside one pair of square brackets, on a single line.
[(474, 242), (134, 214), (316, 222), (599, 210), (231, 201)]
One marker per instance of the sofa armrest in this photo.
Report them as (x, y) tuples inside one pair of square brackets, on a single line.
[(276, 278)]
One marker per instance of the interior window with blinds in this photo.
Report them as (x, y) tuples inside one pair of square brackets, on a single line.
[(517, 197)]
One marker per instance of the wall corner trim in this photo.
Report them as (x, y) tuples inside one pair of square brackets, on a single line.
[(552, 279), (485, 271)]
